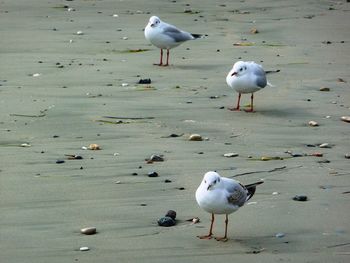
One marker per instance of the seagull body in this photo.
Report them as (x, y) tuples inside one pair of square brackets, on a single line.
[(246, 77), (166, 36), (220, 195)]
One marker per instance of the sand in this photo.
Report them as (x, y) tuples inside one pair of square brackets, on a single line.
[(56, 86)]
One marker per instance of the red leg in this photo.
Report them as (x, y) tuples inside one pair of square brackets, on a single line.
[(251, 104), (167, 57), (161, 58), (224, 238), (209, 236), (238, 102)]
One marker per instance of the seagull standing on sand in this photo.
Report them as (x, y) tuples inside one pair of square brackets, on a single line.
[(221, 195), (166, 36), (246, 77)]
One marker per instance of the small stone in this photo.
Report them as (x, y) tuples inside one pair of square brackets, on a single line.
[(230, 155), (60, 161), (153, 174), (88, 230), (325, 89), (171, 213), (115, 15), (155, 158), (347, 155), (297, 154), (125, 84), (324, 161), (325, 145), (167, 181), (36, 74), (94, 147), (280, 235), (25, 144), (125, 38), (345, 118), (195, 137), (313, 123), (275, 193), (254, 31), (80, 33), (301, 198), (317, 154), (84, 249), (195, 220), (166, 221), (74, 157), (145, 81)]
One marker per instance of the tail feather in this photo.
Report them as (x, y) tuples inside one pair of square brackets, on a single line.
[(197, 35), (251, 189)]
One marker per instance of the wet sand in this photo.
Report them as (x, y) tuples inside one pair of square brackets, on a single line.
[(57, 86)]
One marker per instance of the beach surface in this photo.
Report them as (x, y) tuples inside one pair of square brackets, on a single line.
[(69, 73)]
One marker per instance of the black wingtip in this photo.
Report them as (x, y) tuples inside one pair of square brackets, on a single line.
[(197, 35), (251, 189)]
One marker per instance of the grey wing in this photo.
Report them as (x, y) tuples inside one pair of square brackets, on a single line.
[(176, 34), (237, 195), (260, 75)]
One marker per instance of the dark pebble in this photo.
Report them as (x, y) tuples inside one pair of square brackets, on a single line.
[(166, 221), (145, 81), (174, 135), (181, 188), (324, 161), (167, 181), (171, 213), (310, 145), (301, 198), (60, 161), (153, 174), (134, 174), (297, 155)]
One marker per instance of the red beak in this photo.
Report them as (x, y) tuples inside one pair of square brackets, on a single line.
[(234, 73)]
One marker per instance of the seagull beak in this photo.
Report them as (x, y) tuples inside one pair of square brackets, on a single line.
[(152, 25), (209, 187), (234, 74)]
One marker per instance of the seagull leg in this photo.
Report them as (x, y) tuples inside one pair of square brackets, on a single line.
[(167, 58), (238, 101), (251, 104), (209, 236), (161, 58), (224, 238)]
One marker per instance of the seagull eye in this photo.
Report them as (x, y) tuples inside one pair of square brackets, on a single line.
[(214, 182), (240, 69), (205, 181)]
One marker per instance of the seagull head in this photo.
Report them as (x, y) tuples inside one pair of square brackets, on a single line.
[(154, 21), (239, 68), (211, 180)]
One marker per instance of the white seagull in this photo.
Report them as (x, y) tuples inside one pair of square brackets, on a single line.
[(166, 36), (246, 77), (221, 195)]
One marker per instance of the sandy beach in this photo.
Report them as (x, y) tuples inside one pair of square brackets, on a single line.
[(67, 66)]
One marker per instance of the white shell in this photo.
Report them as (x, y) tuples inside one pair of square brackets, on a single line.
[(313, 123), (84, 249), (229, 155)]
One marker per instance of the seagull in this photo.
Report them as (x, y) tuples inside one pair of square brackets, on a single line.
[(166, 36), (221, 195), (246, 77)]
